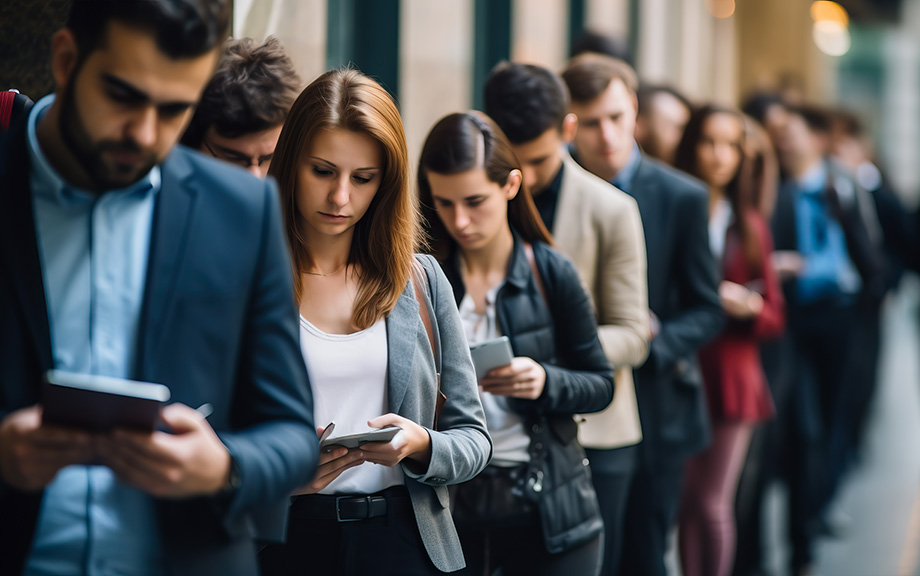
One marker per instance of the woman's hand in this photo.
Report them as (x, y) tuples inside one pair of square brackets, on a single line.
[(331, 466), (412, 442), (739, 302), (523, 378)]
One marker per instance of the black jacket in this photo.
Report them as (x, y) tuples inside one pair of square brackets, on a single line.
[(683, 292), (559, 332)]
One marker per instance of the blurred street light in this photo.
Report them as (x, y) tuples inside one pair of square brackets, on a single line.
[(831, 31), (721, 8)]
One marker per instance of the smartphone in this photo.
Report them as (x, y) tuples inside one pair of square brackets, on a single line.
[(101, 403), (491, 354), (356, 440)]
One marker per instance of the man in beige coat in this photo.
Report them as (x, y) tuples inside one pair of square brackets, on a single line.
[(599, 228)]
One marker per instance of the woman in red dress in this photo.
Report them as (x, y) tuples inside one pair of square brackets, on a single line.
[(712, 150)]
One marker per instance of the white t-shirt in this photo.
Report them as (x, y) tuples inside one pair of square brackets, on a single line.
[(348, 376), (509, 439)]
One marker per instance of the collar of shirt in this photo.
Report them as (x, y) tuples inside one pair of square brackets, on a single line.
[(623, 179), (814, 180), (48, 184)]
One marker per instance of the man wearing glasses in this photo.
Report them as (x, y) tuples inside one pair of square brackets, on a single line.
[(243, 107)]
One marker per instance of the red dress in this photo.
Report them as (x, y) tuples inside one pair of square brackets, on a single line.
[(736, 386)]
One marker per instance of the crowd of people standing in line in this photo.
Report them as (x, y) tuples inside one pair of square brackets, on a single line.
[(637, 251)]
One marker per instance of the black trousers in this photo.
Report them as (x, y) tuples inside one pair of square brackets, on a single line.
[(651, 510), (387, 545), (517, 549), (612, 472)]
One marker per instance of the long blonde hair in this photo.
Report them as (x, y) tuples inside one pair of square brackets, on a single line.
[(389, 233)]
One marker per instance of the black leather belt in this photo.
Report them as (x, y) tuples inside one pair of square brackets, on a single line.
[(339, 508)]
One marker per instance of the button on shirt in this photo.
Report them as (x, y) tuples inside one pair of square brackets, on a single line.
[(828, 273), (94, 260)]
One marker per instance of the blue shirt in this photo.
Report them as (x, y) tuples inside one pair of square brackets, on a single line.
[(623, 179), (93, 252), (828, 272)]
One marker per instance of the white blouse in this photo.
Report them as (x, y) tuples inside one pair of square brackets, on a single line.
[(718, 226), (509, 439), (348, 376)]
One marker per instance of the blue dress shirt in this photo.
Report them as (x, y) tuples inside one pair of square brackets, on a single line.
[(829, 274), (94, 252), (623, 179)]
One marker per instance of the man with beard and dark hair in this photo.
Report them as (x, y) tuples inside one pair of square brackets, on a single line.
[(124, 256)]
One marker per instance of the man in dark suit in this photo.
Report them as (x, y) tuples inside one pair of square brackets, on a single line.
[(123, 256), (828, 251), (683, 298)]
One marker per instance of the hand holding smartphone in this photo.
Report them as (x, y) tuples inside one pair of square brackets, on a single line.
[(327, 442), (490, 355)]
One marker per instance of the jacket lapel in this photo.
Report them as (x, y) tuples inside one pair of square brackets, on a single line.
[(18, 239), (172, 222), (403, 325), (568, 225)]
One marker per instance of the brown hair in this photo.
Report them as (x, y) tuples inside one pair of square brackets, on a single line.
[(388, 234), (252, 90), (589, 74), (739, 190), (466, 141)]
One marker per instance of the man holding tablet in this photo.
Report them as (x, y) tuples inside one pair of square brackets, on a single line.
[(124, 256)]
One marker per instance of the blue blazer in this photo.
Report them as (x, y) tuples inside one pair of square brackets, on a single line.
[(218, 325)]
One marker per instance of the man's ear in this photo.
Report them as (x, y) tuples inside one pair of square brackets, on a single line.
[(64, 57), (569, 127), (513, 185)]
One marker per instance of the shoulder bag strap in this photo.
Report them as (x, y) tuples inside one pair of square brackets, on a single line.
[(419, 280), (528, 250)]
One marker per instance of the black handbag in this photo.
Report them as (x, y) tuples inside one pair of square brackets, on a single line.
[(493, 500)]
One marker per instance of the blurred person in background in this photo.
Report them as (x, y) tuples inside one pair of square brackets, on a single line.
[(244, 105), (598, 43), (713, 150), (828, 254), (663, 114), (683, 299), (126, 256), (599, 228), (533, 510), (850, 146), (365, 298)]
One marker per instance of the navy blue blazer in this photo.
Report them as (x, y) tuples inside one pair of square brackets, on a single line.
[(683, 284), (218, 325)]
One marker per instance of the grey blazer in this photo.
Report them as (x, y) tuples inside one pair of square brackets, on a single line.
[(461, 446)]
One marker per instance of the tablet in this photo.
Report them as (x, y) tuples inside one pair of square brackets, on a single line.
[(101, 403), (490, 355), (356, 440)]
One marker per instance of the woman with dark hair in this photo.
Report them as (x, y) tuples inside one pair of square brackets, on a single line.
[(533, 510), (366, 302), (712, 149)]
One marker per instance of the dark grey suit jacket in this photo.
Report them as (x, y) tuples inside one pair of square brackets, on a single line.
[(218, 325), (683, 292)]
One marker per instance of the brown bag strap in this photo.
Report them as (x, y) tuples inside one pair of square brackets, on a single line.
[(528, 250), (419, 280)]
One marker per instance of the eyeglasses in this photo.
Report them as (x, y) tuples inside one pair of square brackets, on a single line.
[(236, 158)]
